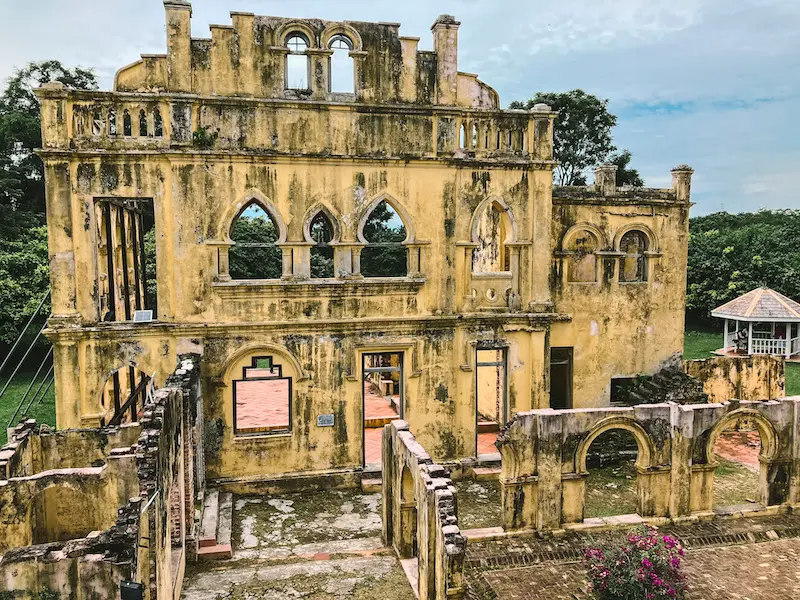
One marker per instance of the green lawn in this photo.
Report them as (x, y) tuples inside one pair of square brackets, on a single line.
[(701, 344), (44, 412)]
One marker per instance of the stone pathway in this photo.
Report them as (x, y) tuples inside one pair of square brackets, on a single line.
[(315, 545), (739, 559)]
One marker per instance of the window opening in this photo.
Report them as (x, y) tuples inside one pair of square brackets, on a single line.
[(97, 122), (255, 255), (737, 479), (611, 487), (126, 251), (112, 121), (561, 377), (142, 123), (321, 230), (297, 63), (158, 124), (262, 398), (341, 68), (493, 232), (384, 255), (582, 263), (123, 396), (127, 128), (633, 264)]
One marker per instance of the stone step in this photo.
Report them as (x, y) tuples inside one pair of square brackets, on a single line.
[(372, 484), (225, 523), (487, 473), (210, 519), (216, 552)]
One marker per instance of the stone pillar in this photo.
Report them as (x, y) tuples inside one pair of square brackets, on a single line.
[(682, 182), (320, 77), (179, 45), (605, 179), (548, 511), (60, 244), (681, 460), (286, 262), (445, 44), (220, 260), (543, 117)]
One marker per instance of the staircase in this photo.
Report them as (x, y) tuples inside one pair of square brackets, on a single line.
[(215, 526)]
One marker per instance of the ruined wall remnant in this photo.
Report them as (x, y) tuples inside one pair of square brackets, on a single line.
[(544, 458), (420, 515), (744, 378)]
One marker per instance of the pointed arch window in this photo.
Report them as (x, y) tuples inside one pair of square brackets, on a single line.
[(384, 232), (127, 127), (142, 123), (322, 232), (112, 121), (492, 231), (633, 263), (582, 263), (97, 122), (341, 68), (297, 65), (158, 124), (255, 254)]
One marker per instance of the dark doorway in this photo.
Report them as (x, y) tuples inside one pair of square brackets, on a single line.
[(491, 397), (561, 378)]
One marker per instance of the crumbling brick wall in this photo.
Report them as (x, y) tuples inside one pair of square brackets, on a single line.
[(741, 377)]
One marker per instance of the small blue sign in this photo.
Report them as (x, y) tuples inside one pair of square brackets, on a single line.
[(325, 420)]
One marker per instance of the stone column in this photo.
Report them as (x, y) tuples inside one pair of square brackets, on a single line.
[(543, 118), (445, 44), (605, 179), (548, 511), (682, 182), (179, 52)]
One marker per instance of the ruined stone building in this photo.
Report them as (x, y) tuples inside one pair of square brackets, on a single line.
[(347, 229)]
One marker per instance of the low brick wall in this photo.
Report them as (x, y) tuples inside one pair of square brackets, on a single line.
[(420, 514)]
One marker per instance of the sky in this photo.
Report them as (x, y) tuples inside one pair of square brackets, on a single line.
[(710, 83)]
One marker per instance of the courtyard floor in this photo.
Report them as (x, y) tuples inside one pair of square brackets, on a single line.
[(732, 559)]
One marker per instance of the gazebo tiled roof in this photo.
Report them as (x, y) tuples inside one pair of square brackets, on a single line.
[(761, 304)]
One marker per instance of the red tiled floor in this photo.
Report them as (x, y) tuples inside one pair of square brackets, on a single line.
[(486, 443), (377, 406), (739, 446), (373, 445), (262, 403)]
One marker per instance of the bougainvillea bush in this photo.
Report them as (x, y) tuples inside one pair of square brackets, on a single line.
[(644, 566)]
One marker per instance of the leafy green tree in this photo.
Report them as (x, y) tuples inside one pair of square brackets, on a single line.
[(255, 256), (322, 255), (625, 174), (385, 256), (582, 133), (23, 235), (730, 254)]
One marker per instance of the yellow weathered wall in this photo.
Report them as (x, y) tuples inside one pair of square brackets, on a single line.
[(396, 139)]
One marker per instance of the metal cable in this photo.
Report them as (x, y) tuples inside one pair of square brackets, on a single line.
[(16, 370), (30, 387), (47, 389), (14, 347)]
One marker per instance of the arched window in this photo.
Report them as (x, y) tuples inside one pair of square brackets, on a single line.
[(297, 62), (342, 72), (321, 230), (474, 136), (633, 264), (462, 136), (127, 127), (142, 123), (384, 256), (112, 121), (582, 264), (492, 231), (158, 123), (97, 122), (255, 255)]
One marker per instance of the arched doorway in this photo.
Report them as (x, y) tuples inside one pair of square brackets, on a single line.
[(611, 486), (736, 448)]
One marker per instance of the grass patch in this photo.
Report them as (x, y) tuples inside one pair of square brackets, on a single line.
[(478, 504), (611, 490), (43, 412), (793, 379), (700, 344), (734, 484)]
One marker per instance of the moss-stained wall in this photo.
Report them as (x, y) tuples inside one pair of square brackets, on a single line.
[(220, 132)]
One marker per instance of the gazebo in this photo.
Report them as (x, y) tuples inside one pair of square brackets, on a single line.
[(764, 322)]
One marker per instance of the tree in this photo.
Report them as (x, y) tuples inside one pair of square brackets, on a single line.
[(385, 257), (582, 135), (23, 238), (731, 254), (625, 175), (21, 171)]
